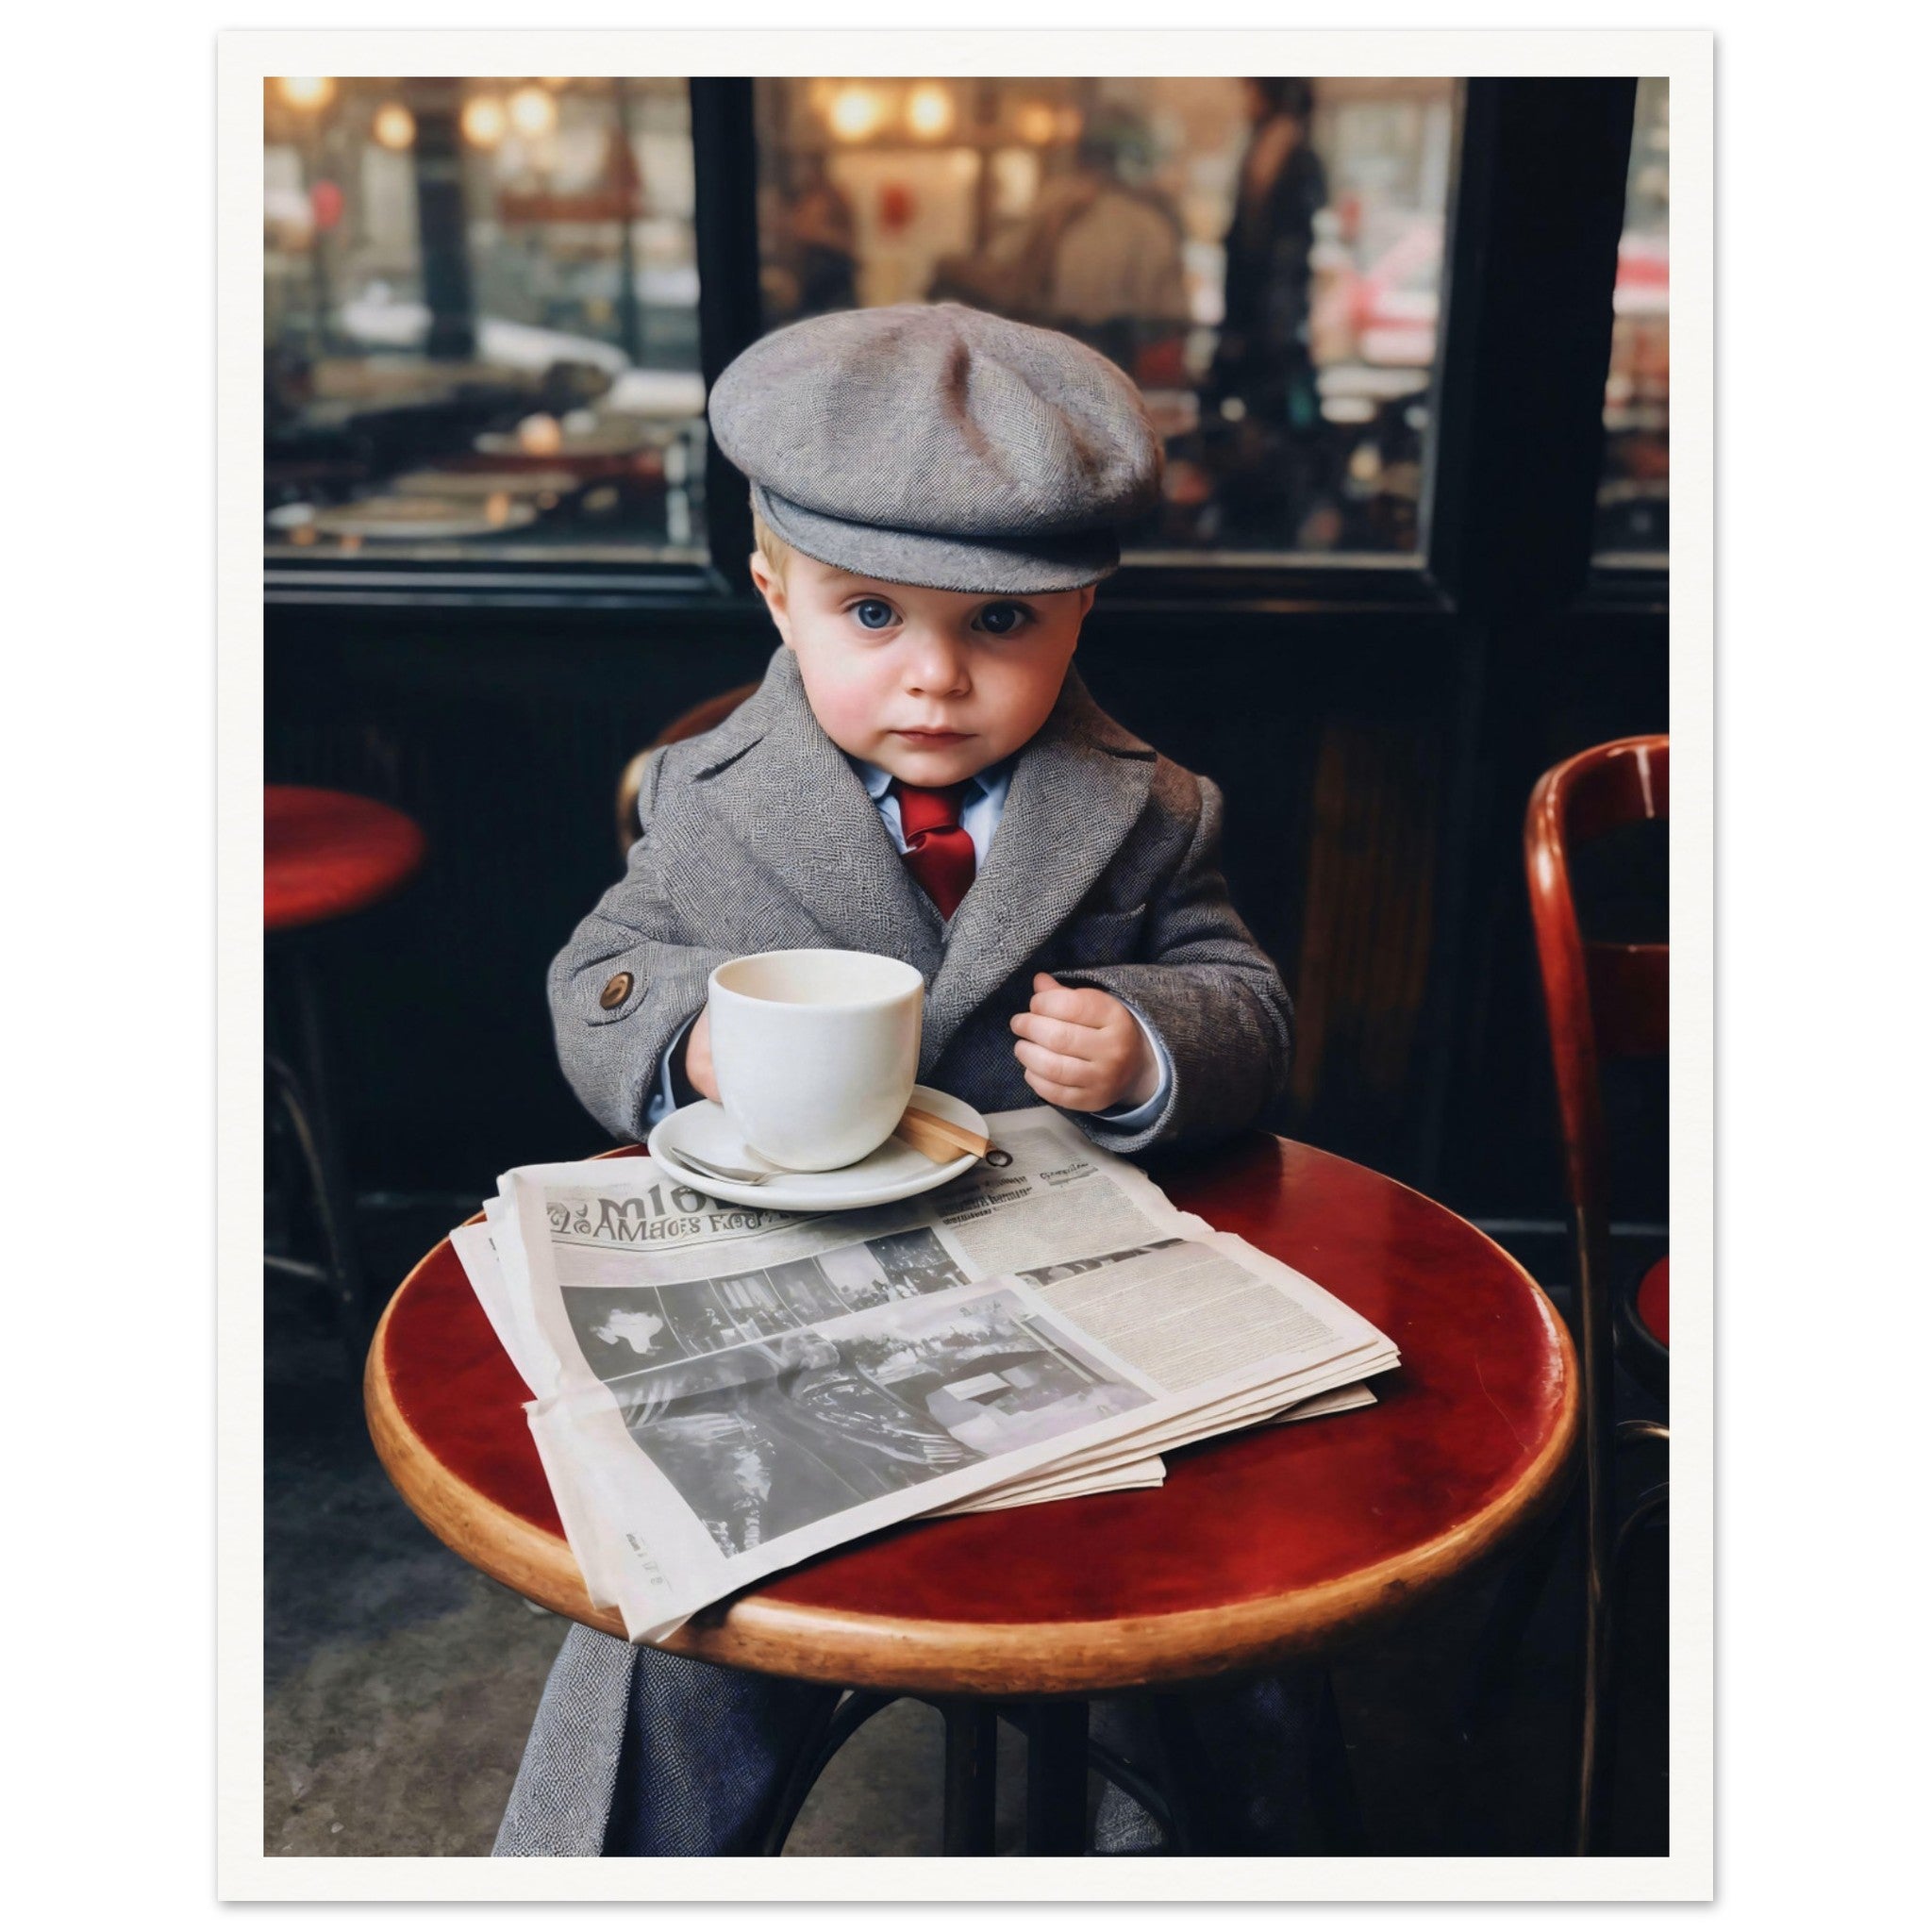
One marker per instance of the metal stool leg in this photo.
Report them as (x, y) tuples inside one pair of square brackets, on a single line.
[(305, 1096), (334, 1212), (1056, 1779), (1188, 1778), (835, 1728), (292, 1173), (351, 1297), (1154, 1789), (971, 1782), (1058, 1755)]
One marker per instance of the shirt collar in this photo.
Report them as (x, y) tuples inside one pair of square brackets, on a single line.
[(992, 781)]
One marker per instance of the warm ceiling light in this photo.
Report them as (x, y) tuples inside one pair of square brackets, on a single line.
[(540, 436), (930, 110), (532, 112), (484, 121), (856, 112), (315, 91), (394, 126), (1035, 122)]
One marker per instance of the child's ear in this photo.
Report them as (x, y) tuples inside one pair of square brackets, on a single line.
[(771, 586)]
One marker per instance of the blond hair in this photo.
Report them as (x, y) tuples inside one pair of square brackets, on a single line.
[(778, 553)]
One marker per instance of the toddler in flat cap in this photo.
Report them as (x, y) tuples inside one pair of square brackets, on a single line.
[(936, 493)]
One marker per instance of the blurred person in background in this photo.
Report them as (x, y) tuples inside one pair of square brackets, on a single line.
[(1098, 257), (817, 251), (1261, 382)]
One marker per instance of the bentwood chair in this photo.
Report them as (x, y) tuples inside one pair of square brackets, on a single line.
[(688, 723), (1606, 1002)]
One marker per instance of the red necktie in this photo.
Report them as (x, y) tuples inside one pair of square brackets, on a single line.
[(939, 855)]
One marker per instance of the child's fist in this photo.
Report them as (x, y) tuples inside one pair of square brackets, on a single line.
[(697, 1056), (1082, 1049)]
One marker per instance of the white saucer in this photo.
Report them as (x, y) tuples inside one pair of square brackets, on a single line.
[(893, 1171)]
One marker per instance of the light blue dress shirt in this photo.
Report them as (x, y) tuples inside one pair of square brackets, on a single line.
[(979, 819)]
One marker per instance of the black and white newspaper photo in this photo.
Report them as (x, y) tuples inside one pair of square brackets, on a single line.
[(721, 1391)]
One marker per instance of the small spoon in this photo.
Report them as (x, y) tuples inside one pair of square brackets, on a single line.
[(746, 1178)]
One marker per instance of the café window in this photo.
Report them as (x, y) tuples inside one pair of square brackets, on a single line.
[(1633, 505), (481, 307), (1264, 256)]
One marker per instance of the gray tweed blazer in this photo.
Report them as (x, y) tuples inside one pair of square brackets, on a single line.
[(1104, 872)]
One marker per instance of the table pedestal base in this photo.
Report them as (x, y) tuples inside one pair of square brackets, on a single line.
[(970, 1736), (1058, 1756)]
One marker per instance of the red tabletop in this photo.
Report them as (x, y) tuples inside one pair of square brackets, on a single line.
[(1275, 1542), (326, 853)]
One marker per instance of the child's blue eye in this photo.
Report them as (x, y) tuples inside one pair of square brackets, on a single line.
[(1003, 620), (874, 613)]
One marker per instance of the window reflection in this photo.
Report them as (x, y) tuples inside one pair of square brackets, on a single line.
[(1263, 255), (1633, 518), (481, 319)]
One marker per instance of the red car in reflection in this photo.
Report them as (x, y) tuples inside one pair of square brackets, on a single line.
[(1387, 314)]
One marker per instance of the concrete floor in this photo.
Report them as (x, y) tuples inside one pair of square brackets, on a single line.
[(400, 1682)]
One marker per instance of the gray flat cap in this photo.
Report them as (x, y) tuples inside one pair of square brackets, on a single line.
[(937, 445)]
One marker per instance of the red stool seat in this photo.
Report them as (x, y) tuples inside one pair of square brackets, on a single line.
[(326, 853), (1654, 1300)]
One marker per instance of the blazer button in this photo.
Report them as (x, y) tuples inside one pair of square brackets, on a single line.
[(616, 990)]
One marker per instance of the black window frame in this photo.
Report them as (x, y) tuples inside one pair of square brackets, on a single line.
[(1516, 398)]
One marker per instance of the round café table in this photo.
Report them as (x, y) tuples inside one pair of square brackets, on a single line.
[(1268, 1546)]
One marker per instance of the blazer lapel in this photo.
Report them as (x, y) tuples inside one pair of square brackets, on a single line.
[(774, 779), (1077, 789)]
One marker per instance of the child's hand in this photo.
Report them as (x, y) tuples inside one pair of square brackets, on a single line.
[(697, 1056), (1082, 1049)]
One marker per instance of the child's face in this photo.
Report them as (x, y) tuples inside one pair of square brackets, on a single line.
[(932, 686)]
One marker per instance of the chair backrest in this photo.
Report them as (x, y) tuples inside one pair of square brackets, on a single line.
[(701, 717), (1604, 1000)]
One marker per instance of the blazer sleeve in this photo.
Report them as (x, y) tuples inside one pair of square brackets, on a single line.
[(633, 953), (1213, 997)]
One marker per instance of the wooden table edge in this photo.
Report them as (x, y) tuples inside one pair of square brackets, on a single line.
[(760, 1633)]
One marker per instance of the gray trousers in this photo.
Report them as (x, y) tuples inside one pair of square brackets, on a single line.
[(639, 1753)]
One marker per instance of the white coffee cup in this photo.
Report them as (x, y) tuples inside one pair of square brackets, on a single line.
[(815, 1051)]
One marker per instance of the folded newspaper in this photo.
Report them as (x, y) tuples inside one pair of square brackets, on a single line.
[(721, 1391)]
